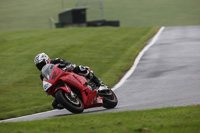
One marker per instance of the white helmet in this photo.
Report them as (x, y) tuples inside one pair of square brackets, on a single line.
[(41, 60)]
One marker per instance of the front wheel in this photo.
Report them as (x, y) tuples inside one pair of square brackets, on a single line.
[(109, 99), (71, 103)]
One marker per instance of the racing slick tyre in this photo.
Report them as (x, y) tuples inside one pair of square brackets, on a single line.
[(109, 99), (71, 103)]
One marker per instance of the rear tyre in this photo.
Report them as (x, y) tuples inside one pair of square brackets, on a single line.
[(73, 104), (109, 99)]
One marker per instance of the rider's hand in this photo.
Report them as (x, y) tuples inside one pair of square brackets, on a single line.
[(69, 67)]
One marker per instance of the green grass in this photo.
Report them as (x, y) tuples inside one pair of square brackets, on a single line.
[(109, 52), (173, 120), (26, 14)]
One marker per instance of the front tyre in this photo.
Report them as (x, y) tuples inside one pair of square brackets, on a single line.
[(71, 103), (109, 99)]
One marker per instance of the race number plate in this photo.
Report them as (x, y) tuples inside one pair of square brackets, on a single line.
[(46, 85), (99, 101)]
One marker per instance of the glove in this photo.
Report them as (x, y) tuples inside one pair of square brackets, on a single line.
[(69, 67)]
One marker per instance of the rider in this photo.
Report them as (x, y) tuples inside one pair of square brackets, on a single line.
[(42, 59)]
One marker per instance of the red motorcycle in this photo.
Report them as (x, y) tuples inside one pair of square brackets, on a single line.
[(73, 91)]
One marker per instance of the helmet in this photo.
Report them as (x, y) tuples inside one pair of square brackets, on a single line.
[(41, 60)]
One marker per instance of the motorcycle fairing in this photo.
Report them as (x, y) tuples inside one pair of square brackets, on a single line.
[(74, 80), (91, 99)]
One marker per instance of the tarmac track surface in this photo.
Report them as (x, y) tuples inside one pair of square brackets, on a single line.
[(167, 75)]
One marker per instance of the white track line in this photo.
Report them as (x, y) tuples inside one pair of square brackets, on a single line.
[(23, 118), (128, 74)]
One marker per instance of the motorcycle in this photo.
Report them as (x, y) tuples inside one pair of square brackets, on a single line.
[(73, 91)]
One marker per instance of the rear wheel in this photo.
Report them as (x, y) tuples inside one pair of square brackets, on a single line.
[(70, 102), (109, 99)]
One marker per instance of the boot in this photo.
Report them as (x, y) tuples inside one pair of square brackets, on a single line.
[(97, 81), (93, 78), (103, 87)]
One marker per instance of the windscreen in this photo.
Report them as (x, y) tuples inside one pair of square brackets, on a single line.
[(47, 71)]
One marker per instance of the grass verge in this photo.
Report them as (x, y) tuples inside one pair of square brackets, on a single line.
[(173, 120), (109, 52)]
